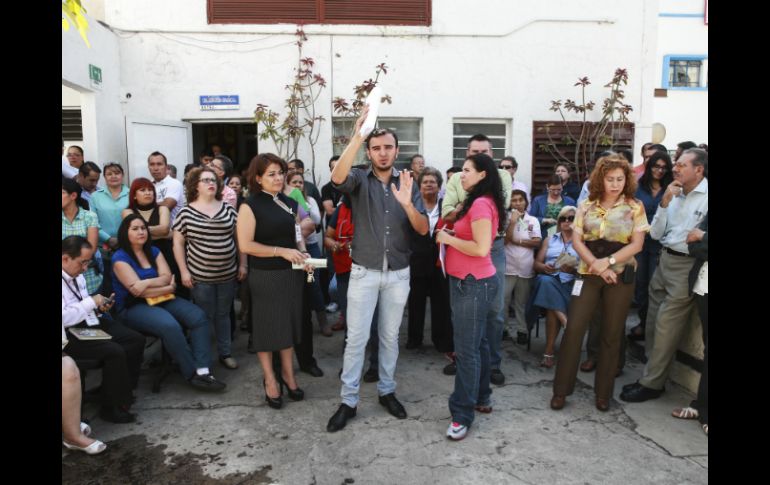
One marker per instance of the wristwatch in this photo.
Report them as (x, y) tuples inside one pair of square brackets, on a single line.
[(612, 260)]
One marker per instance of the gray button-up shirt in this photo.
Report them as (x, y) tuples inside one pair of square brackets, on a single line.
[(382, 228)]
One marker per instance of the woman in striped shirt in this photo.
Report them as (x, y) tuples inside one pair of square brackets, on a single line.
[(205, 250)]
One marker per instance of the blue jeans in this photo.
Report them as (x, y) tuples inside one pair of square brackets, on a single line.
[(216, 299), (317, 296), (343, 282), (369, 288), (495, 336), (473, 318), (166, 320)]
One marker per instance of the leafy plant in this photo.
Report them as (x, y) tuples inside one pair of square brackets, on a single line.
[(73, 10), (300, 120), (588, 136)]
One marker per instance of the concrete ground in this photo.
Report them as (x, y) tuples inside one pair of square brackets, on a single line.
[(185, 436)]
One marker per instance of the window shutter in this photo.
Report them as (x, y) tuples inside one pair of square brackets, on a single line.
[(377, 12), (71, 124), (371, 12), (262, 11)]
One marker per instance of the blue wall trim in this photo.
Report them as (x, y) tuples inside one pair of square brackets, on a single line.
[(682, 15), (680, 57)]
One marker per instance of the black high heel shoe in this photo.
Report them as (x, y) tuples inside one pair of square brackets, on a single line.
[(294, 394), (273, 402)]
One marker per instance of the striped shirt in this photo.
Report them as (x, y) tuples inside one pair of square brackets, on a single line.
[(209, 243)]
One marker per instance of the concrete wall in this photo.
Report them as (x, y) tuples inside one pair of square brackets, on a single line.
[(498, 60), (684, 113), (103, 124)]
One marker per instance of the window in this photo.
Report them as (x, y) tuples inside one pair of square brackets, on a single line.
[(685, 72), (407, 130), (496, 130), (369, 12), (71, 124)]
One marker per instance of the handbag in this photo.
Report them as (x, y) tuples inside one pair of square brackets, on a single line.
[(601, 248)]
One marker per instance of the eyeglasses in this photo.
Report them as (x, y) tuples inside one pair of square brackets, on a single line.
[(506, 167), (86, 263), (660, 167), (208, 180), (566, 218)]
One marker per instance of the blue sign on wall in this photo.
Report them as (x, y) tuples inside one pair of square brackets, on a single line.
[(221, 101)]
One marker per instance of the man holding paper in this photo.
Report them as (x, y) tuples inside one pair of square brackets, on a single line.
[(388, 208)]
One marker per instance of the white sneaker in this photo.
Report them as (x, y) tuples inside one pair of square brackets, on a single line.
[(456, 431), (332, 307)]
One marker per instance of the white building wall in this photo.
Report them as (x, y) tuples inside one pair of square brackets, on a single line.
[(103, 123), (684, 113), (496, 59)]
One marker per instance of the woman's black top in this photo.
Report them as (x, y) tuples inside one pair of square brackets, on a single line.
[(275, 227)]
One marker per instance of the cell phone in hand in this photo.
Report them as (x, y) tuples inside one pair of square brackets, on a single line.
[(108, 301)]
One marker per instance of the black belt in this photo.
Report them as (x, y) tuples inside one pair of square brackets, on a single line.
[(677, 253)]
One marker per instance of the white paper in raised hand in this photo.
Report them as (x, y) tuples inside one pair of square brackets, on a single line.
[(373, 100)]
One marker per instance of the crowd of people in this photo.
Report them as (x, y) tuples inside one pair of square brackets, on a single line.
[(166, 258)]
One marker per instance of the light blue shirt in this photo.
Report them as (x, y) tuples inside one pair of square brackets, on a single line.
[(583, 193), (671, 224), (108, 210)]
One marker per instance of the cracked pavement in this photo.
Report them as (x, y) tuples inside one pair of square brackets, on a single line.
[(184, 436)]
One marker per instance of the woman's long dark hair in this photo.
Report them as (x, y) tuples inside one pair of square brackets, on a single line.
[(72, 187), (668, 177), (490, 185), (125, 245)]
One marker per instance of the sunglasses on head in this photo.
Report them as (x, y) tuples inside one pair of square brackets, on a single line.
[(566, 218)]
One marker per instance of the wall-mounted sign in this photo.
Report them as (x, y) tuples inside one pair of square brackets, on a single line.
[(222, 101), (95, 75)]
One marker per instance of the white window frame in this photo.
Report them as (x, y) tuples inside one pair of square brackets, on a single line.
[(403, 158), (461, 142)]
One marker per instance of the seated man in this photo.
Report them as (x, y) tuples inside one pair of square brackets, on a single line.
[(122, 354)]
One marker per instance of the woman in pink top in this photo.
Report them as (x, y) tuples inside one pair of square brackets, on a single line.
[(473, 287)]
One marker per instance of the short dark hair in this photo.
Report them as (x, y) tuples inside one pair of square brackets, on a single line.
[(89, 167), (430, 171), (299, 163), (381, 132), (454, 169), (659, 147), (553, 179), (645, 147), (73, 246), (561, 164), (686, 145), (523, 196), (510, 159), (158, 154), (704, 146), (626, 153), (701, 159), (227, 164), (415, 156), (333, 159), (479, 137), (258, 167), (206, 152), (75, 147)]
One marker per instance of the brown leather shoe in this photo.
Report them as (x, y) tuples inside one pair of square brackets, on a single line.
[(588, 365), (602, 404), (557, 402)]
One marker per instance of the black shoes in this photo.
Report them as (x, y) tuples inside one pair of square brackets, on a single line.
[(393, 406), (450, 369), (313, 370), (372, 375), (496, 377), (294, 394), (273, 402), (207, 382), (639, 393), (522, 338), (340, 418), (116, 414)]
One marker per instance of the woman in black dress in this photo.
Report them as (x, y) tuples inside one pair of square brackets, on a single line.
[(269, 233)]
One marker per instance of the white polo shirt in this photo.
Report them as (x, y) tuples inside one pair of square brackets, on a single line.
[(170, 187)]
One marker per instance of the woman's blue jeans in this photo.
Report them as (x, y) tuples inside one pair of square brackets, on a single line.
[(474, 319), (168, 320), (216, 300)]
